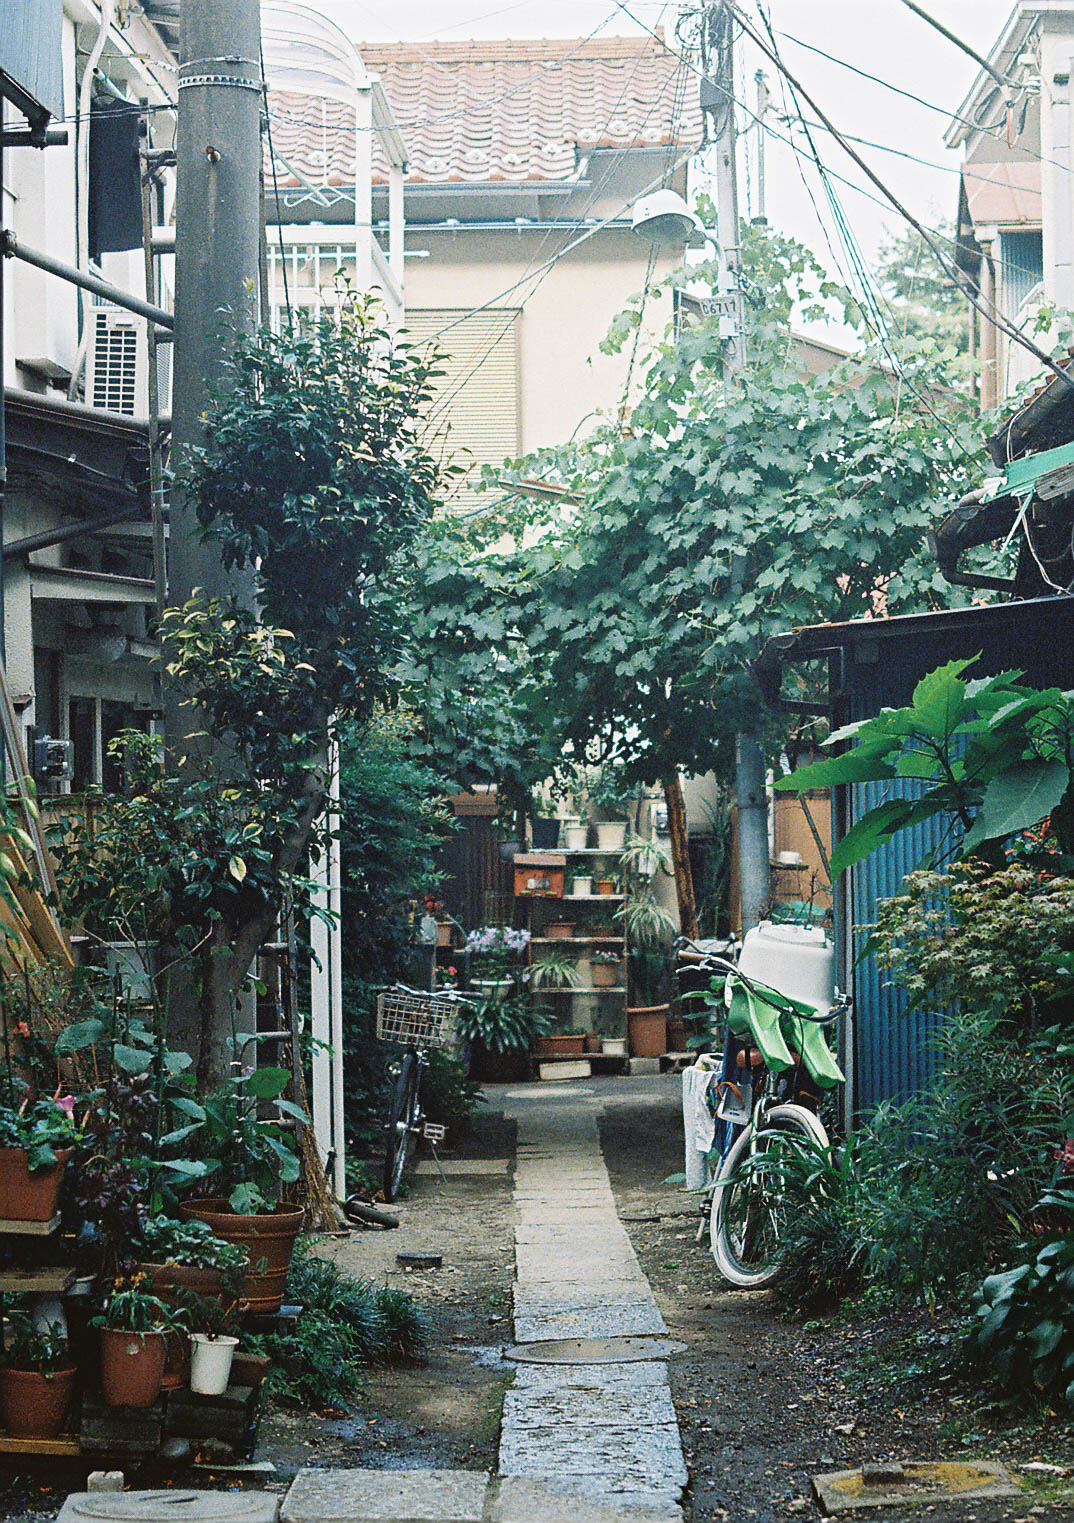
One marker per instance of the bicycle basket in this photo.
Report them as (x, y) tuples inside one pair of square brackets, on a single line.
[(416, 1020)]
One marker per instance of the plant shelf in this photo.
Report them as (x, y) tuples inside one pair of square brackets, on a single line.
[(588, 898), (51, 1280), (14, 1228), (582, 941), (585, 989)]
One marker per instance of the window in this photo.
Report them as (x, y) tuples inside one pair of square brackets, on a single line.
[(477, 396)]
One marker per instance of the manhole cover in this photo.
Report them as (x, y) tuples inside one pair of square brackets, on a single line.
[(169, 1507), (594, 1351)]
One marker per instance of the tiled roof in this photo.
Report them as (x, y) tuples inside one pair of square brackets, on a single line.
[(508, 110)]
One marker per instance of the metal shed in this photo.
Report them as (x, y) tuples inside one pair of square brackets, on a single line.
[(873, 664)]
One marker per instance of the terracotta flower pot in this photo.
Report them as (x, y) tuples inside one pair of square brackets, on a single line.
[(35, 1405), (268, 1241), (592, 1042), (605, 975), (249, 1369), (605, 885), (132, 1367), (564, 1044), (26, 1197), (559, 930), (648, 1027), (169, 1282)]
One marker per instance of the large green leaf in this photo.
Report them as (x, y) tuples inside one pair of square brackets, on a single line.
[(133, 1060), (866, 764), (1018, 798), (871, 831), (81, 1034), (940, 698)]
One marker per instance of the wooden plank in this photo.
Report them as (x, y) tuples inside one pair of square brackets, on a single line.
[(47, 933), (64, 1445), (52, 1279), (10, 1227)]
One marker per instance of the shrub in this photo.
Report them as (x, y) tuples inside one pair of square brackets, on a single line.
[(1024, 1337), (345, 1322)]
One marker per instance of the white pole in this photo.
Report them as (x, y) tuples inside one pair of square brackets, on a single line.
[(335, 965), (363, 189), (320, 1016), (395, 222)]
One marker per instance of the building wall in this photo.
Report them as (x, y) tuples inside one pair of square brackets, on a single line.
[(562, 317)]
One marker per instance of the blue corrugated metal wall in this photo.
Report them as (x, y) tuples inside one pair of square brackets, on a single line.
[(894, 1053)]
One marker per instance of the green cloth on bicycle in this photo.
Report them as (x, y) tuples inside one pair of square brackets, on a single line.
[(773, 1020)]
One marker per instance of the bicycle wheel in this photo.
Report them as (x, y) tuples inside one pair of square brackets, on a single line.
[(402, 1122), (749, 1201)]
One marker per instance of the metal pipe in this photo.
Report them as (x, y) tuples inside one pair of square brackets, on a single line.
[(45, 539), (11, 248)]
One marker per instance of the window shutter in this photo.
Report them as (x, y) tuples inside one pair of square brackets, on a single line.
[(477, 396)]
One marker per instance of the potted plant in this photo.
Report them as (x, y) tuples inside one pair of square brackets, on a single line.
[(648, 927), (582, 886), (249, 1158), (37, 1137), (495, 953), (501, 1034), (132, 1326), (605, 969), (37, 1377), (553, 970), (605, 885), (575, 834), (561, 1044), (560, 930), (193, 1269)]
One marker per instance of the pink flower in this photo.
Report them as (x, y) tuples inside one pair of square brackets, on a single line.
[(66, 1103)]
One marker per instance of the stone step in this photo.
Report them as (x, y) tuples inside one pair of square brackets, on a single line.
[(457, 1496)]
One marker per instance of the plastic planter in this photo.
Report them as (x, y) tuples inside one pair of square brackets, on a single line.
[(210, 1363)]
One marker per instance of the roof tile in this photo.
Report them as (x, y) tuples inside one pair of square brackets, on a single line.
[(509, 109)]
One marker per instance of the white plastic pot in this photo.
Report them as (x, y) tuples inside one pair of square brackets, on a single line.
[(611, 835), (210, 1363), (582, 888), (575, 837)]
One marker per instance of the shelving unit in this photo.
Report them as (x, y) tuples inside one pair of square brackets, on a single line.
[(604, 1012)]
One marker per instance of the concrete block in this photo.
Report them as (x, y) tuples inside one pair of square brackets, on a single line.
[(105, 1480), (386, 1496), (167, 1506), (912, 1484), (643, 1066), (571, 1068)]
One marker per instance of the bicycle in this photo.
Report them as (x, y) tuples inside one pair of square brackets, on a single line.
[(768, 1119), (420, 1020)]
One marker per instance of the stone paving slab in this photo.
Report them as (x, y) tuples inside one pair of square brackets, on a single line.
[(846, 1491), (464, 1166), (634, 1322), (386, 1496), (514, 1498)]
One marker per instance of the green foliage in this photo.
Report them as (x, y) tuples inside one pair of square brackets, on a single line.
[(1001, 939), (167, 1240), (131, 1308), (991, 754), (507, 1025), (928, 308), (1024, 1337), (29, 1347), (346, 1322), (616, 629), (393, 824), (824, 1250), (448, 1097), (38, 1125), (928, 1192), (553, 970)]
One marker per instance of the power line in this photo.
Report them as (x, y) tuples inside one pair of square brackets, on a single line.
[(995, 317), (983, 63)]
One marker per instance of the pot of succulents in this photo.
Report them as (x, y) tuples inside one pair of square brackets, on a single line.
[(605, 969), (37, 1137), (249, 1159), (496, 952), (132, 1328), (37, 1377)]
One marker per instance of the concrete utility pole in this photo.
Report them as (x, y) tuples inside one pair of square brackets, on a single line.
[(217, 241), (751, 791), (217, 246)]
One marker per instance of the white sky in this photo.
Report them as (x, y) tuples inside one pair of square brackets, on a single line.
[(880, 36)]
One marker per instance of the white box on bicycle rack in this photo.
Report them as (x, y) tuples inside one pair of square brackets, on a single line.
[(798, 960)]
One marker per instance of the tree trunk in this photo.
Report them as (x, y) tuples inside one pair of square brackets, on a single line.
[(680, 855)]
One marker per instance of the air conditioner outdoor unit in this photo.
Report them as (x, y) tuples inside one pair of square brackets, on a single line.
[(117, 362)]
